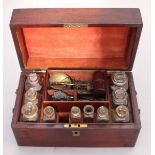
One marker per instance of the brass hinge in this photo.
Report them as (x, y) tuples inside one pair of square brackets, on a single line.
[(111, 71), (75, 25), (36, 70), (81, 125), (39, 70)]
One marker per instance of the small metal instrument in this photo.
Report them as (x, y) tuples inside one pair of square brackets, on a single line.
[(61, 81), (86, 90)]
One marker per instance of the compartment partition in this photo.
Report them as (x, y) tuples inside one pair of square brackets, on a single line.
[(63, 108)]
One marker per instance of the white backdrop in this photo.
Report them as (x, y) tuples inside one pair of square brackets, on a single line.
[(141, 72)]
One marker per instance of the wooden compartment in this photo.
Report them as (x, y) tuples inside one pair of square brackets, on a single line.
[(63, 109), (76, 75), (77, 42), (39, 93)]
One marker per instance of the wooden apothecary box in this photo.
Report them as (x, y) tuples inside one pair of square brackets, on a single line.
[(78, 42)]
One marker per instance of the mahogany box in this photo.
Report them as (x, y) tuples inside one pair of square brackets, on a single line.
[(77, 42)]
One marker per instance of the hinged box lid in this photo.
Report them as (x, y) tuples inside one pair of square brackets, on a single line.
[(76, 38)]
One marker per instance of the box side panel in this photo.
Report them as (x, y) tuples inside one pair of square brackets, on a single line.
[(133, 94)]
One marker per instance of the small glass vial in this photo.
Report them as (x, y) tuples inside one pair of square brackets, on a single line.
[(121, 114), (102, 114), (49, 114), (120, 96), (75, 115), (88, 111), (30, 112), (32, 81), (119, 79), (31, 95)]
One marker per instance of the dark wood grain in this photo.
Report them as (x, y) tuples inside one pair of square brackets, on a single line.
[(88, 137), (95, 135), (129, 17), (119, 16), (54, 134)]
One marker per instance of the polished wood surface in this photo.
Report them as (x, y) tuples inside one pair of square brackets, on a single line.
[(88, 47), (54, 134), (48, 17), (96, 134), (108, 40)]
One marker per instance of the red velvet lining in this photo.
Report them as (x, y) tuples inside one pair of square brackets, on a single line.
[(85, 47)]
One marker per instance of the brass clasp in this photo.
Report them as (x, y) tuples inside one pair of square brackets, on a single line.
[(82, 125)]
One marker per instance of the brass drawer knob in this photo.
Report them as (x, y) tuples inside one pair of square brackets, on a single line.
[(76, 133)]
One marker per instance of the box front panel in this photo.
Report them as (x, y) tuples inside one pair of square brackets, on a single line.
[(76, 137)]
